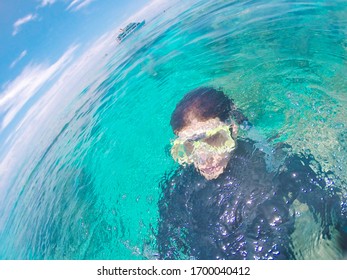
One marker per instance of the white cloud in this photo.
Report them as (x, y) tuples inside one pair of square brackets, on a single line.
[(76, 5), (26, 85), (45, 3), (60, 84), (46, 117), (21, 21), (19, 58)]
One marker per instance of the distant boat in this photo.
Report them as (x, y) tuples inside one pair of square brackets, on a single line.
[(130, 28)]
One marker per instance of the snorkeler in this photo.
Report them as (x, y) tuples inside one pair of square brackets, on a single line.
[(223, 202)]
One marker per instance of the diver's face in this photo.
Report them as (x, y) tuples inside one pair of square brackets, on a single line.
[(209, 163)]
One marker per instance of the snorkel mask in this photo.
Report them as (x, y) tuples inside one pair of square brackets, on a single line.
[(218, 140)]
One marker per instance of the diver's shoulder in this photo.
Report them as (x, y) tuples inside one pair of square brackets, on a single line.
[(247, 151), (245, 144), (179, 178), (302, 172), (300, 163)]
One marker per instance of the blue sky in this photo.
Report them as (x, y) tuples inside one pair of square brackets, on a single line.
[(41, 30), (39, 38), (50, 51)]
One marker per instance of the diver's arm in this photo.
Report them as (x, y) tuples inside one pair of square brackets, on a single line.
[(171, 245), (304, 185), (344, 215), (268, 237), (172, 222)]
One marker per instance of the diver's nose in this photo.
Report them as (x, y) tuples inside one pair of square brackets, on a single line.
[(209, 160), (205, 159)]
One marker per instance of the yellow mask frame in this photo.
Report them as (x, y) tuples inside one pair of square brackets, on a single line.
[(217, 141)]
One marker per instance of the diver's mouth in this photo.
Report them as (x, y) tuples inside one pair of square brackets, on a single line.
[(210, 170)]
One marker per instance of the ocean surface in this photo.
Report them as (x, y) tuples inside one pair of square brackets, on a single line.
[(85, 185)]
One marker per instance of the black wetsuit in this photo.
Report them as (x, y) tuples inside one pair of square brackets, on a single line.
[(244, 213)]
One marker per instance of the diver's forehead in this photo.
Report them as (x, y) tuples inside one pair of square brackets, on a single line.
[(196, 127)]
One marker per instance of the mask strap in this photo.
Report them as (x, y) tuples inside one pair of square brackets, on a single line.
[(232, 124)]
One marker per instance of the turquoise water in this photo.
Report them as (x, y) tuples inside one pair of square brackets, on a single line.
[(91, 192)]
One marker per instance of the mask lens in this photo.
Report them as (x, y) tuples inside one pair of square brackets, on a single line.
[(204, 145), (188, 147), (178, 152), (216, 140)]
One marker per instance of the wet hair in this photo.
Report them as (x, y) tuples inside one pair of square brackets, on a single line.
[(202, 103)]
